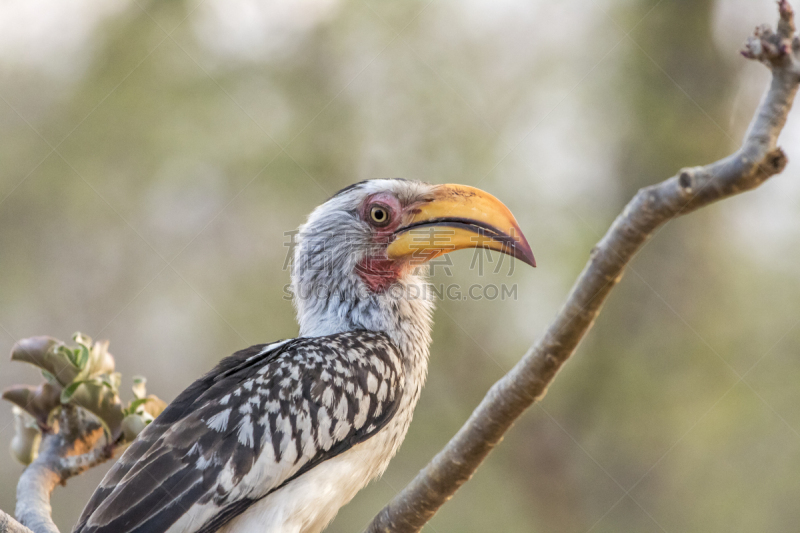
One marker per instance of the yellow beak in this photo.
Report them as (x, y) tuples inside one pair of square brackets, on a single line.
[(458, 217)]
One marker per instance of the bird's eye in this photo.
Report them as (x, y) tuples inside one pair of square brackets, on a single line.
[(379, 215)]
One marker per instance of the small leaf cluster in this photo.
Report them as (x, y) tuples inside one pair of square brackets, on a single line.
[(82, 375), (142, 410)]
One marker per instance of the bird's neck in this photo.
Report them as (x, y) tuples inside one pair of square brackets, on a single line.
[(402, 311)]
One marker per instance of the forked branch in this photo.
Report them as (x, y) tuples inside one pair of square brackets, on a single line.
[(757, 160)]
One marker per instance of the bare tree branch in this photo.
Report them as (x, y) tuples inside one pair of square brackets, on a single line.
[(757, 160), (69, 452), (9, 525)]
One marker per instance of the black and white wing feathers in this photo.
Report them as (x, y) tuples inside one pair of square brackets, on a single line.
[(262, 417)]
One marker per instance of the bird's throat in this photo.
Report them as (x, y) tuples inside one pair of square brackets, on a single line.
[(379, 274)]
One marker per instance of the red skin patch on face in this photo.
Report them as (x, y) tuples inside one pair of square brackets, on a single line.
[(379, 273)]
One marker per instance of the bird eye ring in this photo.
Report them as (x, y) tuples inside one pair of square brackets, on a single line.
[(379, 215)]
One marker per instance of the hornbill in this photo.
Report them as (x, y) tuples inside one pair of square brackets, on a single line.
[(277, 437)]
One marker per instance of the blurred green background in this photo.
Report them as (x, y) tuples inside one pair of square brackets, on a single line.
[(152, 155)]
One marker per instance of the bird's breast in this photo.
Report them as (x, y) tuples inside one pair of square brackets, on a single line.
[(308, 503)]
